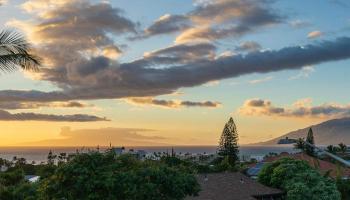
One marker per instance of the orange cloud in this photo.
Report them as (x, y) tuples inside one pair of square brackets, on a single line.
[(314, 34), (300, 109)]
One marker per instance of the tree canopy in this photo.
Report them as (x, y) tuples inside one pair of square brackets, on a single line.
[(94, 176), (228, 145), (299, 180), (309, 150)]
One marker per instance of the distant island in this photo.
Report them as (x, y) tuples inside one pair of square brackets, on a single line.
[(329, 132)]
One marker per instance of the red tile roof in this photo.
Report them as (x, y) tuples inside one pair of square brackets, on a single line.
[(321, 165)]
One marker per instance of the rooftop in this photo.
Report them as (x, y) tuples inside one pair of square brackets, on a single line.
[(321, 165), (232, 186)]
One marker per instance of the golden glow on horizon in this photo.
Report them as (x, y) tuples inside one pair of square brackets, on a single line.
[(251, 130)]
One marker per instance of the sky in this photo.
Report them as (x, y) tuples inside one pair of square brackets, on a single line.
[(161, 72)]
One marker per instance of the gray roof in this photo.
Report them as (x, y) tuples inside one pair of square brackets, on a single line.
[(254, 171), (231, 186)]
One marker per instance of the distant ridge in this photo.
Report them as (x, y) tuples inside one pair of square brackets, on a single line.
[(329, 132)]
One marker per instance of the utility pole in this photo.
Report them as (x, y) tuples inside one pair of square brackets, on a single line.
[(335, 157)]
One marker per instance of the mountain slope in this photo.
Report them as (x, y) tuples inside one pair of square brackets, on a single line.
[(328, 132)]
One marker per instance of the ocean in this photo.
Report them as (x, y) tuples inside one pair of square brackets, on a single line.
[(39, 154)]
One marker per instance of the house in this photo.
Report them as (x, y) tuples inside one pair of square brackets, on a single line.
[(3, 168), (249, 158), (152, 156), (233, 186), (322, 165), (119, 150), (254, 170), (31, 178), (139, 154), (286, 141)]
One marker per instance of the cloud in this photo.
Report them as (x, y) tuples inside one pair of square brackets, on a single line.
[(314, 34), (166, 24), (85, 29), (7, 116), (212, 83), (304, 73), (171, 103), (13, 105), (216, 20), (102, 78), (257, 81), (111, 52), (3, 2), (178, 54), (103, 137), (87, 72), (225, 18), (299, 23), (300, 109), (249, 46)]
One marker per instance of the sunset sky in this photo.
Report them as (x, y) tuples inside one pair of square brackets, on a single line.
[(171, 72)]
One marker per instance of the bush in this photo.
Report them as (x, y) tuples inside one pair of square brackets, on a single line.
[(344, 188), (14, 187), (299, 180)]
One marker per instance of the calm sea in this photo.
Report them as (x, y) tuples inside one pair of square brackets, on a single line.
[(39, 154)]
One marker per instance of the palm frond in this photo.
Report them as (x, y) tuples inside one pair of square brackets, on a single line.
[(10, 62), (14, 52)]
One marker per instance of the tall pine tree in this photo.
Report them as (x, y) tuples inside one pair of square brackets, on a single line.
[(228, 145), (310, 139)]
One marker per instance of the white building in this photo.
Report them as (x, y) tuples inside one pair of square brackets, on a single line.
[(3, 168), (32, 178)]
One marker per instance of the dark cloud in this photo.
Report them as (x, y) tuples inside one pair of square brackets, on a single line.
[(14, 105), (6, 116), (302, 108), (177, 54), (166, 24), (209, 104), (131, 80), (172, 103), (258, 103)]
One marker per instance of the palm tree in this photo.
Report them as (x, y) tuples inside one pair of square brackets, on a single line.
[(300, 144), (342, 147), (332, 149), (14, 52)]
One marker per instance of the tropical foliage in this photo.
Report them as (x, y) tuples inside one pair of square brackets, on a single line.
[(97, 175), (344, 188), (14, 52), (299, 180), (342, 147)]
